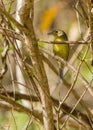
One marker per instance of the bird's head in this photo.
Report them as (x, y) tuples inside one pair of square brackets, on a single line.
[(58, 34)]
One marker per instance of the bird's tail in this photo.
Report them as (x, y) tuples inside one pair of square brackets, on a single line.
[(60, 72), (61, 67)]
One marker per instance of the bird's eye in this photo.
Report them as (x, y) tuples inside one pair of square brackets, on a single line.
[(56, 32)]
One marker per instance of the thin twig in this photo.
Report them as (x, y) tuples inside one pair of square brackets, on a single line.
[(64, 107), (9, 17), (66, 42), (87, 87), (78, 19), (90, 14), (75, 79), (80, 76), (18, 106)]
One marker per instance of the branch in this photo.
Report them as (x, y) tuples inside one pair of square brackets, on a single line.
[(90, 14), (4, 57), (19, 107), (66, 42), (64, 108), (11, 34), (82, 103), (37, 62), (80, 76), (9, 17)]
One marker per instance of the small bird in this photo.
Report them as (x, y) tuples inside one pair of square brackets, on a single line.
[(62, 50)]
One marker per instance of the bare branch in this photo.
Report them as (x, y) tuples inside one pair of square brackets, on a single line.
[(20, 107), (12, 34), (9, 17), (64, 108), (66, 42), (37, 62)]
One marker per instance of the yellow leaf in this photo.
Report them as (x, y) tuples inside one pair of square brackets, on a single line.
[(49, 16)]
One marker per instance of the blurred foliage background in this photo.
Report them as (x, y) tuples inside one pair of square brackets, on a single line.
[(72, 17)]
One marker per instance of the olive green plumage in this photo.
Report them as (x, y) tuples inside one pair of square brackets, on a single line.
[(61, 50)]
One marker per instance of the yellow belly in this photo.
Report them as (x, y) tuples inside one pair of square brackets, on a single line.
[(61, 50)]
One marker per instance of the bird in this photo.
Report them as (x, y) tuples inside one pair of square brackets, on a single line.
[(61, 50)]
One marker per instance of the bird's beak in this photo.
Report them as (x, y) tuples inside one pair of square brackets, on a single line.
[(50, 33)]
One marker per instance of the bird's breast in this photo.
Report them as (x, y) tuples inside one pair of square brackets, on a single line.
[(61, 50)]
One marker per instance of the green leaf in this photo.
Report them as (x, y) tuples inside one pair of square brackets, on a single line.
[(41, 44)]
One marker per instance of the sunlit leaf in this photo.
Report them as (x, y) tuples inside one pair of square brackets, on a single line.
[(42, 44), (11, 47), (1, 49)]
